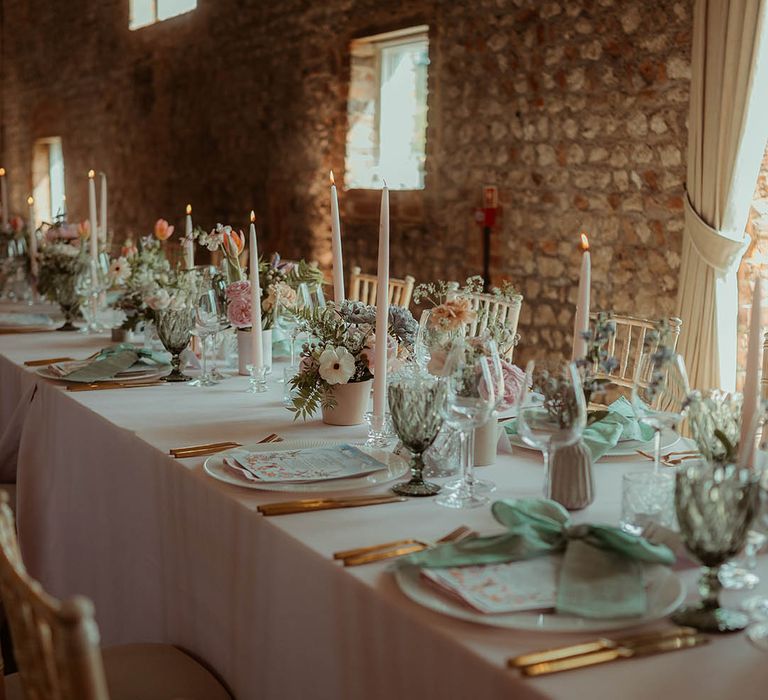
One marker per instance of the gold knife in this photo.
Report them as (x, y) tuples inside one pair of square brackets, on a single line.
[(386, 554), (47, 361), (194, 450), (599, 644), (111, 385), (617, 654), (305, 506)]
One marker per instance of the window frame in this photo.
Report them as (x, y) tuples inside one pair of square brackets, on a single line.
[(379, 42), (155, 15)]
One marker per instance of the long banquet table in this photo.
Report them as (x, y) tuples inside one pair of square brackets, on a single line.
[(170, 555)]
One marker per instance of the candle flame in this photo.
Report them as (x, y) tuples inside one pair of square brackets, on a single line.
[(253, 216), (91, 174), (333, 179), (2, 172), (189, 209), (584, 242), (30, 200)]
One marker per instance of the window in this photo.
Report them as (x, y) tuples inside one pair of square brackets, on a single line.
[(48, 179), (387, 110), (145, 12)]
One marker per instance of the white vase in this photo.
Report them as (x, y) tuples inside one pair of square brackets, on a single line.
[(486, 441), (244, 350), (571, 482), (351, 402)]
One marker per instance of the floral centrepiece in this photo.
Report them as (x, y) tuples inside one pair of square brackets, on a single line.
[(345, 341)]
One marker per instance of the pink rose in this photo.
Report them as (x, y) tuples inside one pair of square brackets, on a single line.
[(239, 290), (514, 379), (369, 351), (239, 311)]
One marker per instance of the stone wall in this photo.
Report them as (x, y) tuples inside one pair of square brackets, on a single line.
[(576, 110)]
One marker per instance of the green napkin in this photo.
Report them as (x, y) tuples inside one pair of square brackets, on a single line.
[(602, 570), (114, 359), (603, 435)]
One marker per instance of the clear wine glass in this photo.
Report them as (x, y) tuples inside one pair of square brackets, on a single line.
[(471, 396), (90, 287), (552, 412), (659, 394), (209, 318)]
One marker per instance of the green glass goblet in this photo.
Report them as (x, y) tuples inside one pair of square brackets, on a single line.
[(715, 506), (415, 406), (174, 328)]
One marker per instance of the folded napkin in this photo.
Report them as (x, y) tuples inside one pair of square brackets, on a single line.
[(602, 570), (113, 360), (619, 423)]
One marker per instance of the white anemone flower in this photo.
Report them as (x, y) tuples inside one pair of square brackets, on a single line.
[(337, 365)]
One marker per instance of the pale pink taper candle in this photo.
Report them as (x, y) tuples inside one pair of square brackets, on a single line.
[(382, 314), (750, 406), (338, 263), (92, 218)]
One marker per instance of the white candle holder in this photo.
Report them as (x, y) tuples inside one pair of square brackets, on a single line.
[(257, 381), (381, 432)]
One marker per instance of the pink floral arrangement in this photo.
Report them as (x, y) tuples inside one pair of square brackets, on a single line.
[(514, 379), (239, 304)]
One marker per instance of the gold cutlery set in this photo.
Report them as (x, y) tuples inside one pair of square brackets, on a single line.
[(672, 459), (398, 548), (212, 448), (605, 650), (103, 386), (47, 361), (310, 505)]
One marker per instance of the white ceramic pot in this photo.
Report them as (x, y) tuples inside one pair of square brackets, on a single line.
[(351, 403), (486, 441), (244, 350)]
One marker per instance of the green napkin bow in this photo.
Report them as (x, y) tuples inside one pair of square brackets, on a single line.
[(601, 436), (601, 575), (114, 359)]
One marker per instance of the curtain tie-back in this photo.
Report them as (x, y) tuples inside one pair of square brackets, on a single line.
[(721, 250)]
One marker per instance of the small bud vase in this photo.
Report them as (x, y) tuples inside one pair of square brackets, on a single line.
[(350, 403), (570, 476), (244, 350), (486, 441)]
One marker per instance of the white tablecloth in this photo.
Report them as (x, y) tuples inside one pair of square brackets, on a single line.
[(168, 554)]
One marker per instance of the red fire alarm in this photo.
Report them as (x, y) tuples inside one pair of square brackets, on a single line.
[(490, 205)]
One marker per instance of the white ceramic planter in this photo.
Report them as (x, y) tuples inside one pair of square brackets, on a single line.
[(351, 404), (244, 350), (486, 441)]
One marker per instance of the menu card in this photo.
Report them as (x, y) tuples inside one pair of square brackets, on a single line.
[(501, 588), (307, 464)]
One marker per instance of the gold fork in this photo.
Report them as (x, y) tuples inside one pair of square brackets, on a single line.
[(214, 447), (398, 548), (666, 461)]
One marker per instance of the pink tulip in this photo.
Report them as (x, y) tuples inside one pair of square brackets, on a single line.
[(163, 231)]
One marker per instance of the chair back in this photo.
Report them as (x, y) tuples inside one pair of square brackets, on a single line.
[(56, 644), (627, 345), (363, 287)]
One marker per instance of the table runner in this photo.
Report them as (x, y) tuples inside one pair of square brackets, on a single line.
[(169, 555)]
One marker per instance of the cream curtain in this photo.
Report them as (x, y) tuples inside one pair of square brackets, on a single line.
[(728, 126)]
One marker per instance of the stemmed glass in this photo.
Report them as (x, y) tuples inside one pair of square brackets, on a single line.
[(659, 394), (174, 328), (552, 412), (471, 396), (209, 320), (416, 404), (90, 286), (715, 506), (757, 606)]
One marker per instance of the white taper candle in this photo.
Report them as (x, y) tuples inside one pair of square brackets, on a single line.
[(32, 237), (338, 262), (103, 207), (189, 244), (257, 350), (581, 321), (382, 315), (92, 218)]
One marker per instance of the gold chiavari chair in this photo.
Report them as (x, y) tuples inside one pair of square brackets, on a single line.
[(627, 345), (56, 645), (363, 287)]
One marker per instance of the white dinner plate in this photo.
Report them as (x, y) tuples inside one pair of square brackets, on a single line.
[(141, 375), (625, 448), (395, 468), (664, 589)]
